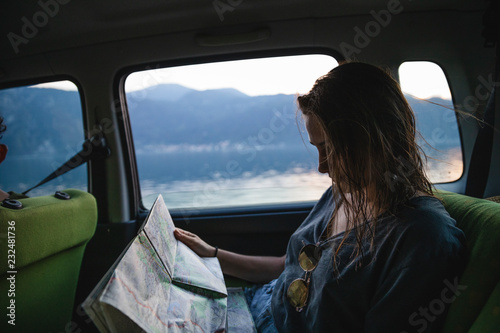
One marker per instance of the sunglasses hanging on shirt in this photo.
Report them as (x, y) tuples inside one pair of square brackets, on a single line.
[(298, 291)]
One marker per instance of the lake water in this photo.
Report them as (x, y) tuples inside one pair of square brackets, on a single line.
[(298, 183)]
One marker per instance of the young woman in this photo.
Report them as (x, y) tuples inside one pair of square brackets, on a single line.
[(378, 253)]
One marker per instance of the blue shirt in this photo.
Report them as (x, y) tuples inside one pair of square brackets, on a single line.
[(405, 283)]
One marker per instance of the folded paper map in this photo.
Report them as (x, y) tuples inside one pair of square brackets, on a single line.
[(158, 284)]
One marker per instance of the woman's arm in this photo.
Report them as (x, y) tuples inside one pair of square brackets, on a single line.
[(257, 269)]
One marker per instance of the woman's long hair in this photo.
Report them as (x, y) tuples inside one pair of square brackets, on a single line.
[(371, 148)]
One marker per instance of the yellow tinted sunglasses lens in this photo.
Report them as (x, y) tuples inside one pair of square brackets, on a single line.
[(297, 293), (309, 257)]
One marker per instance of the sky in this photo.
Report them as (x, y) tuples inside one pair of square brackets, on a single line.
[(270, 76), (423, 79)]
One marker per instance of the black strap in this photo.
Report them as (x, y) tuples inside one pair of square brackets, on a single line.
[(479, 167), (93, 148)]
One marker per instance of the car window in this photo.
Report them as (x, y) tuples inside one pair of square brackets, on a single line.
[(44, 129), (426, 89), (225, 134)]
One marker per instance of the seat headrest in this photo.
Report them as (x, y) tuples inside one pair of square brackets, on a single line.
[(45, 226)]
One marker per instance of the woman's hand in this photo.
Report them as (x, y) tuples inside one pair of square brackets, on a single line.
[(195, 243), (255, 269)]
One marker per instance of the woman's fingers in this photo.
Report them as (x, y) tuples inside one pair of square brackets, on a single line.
[(194, 242), (183, 233), (186, 237)]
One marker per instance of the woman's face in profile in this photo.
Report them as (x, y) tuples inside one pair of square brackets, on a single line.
[(318, 139)]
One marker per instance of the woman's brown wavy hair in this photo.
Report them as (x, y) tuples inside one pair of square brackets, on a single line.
[(370, 143)]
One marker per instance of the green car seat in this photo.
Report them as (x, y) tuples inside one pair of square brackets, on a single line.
[(42, 241)]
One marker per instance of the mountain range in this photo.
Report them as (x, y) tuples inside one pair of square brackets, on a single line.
[(49, 120)]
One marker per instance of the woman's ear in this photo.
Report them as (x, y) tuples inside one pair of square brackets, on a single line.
[(3, 152)]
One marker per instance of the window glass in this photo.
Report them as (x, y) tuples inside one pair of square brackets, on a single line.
[(426, 89), (44, 129), (225, 134)]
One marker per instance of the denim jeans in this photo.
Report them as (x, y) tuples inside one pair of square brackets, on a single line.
[(259, 301)]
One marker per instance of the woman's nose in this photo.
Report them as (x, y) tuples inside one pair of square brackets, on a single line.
[(323, 164)]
